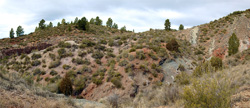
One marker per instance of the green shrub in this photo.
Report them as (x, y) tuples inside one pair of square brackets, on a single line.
[(203, 68), (123, 63), (53, 72), (132, 50), (233, 44), (216, 62), (66, 67), (65, 86), (140, 55), (154, 57), (52, 56), (98, 61), (97, 81), (109, 54), (64, 44), (208, 93), (62, 53), (181, 67), (88, 43), (117, 82), (86, 69), (36, 56), (173, 45), (54, 64), (131, 57), (35, 63), (77, 61), (81, 53), (79, 84), (37, 71), (97, 55), (182, 78)]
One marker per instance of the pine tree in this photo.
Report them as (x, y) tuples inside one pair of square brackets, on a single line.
[(12, 33), (50, 24), (76, 20), (115, 26), (92, 21), (109, 23), (42, 24), (66, 86), (233, 44), (123, 29), (181, 27), (83, 24), (19, 31), (63, 22), (167, 24), (98, 21)]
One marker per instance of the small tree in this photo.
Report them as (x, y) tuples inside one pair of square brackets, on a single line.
[(42, 24), (98, 21), (92, 21), (233, 44), (76, 20), (63, 22), (167, 24), (12, 33), (19, 31), (50, 24), (216, 62), (115, 26), (66, 85), (123, 29), (83, 24), (181, 27), (109, 23)]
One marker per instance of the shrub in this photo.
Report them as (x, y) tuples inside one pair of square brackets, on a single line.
[(203, 68), (62, 53), (53, 72), (79, 84), (100, 47), (182, 78), (37, 71), (66, 67), (81, 53), (54, 64), (52, 56), (181, 67), (35, 63), (77, 61), (154, 57), (64, 44), (173, 45), (208, 93), (97, 55), (216, 62), (86, 69), (123, 63), (140, 55), (97, 81), (117, 82), (36, 56), (66, 86), (88, 43), (109, 54), (131, 57), (132, 50), (98, 61)]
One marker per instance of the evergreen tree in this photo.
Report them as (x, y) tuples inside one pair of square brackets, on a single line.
[(98, 21), (115, 26), (167, 24), (123, 29), (92, 21), (83, 24), (63, 22), (233, 44), (58, 24), (76, 20), (19, 31), (50, 24), (42, 24), (109, 23), (12, 33), (181, 27), (66, 86)]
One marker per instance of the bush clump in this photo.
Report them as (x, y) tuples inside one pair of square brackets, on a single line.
[(53, 72), (64, 44), (35, 63), (36, 56), (208, 93), (97, 55), (54, 64), (123, 63), (140, 55), (117, 82), (216, 62), (66, 67), (65, 86), (173, 45)]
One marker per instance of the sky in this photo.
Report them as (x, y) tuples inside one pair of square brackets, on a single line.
[(137, 15)]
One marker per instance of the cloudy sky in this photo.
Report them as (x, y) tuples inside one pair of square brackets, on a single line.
[(139, 15)]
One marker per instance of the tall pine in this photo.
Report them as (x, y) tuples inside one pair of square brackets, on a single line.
[(12, 33)]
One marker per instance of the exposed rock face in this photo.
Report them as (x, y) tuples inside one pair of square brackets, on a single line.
[(193, 35)]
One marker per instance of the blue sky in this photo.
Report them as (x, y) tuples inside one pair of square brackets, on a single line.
[(140, 15)]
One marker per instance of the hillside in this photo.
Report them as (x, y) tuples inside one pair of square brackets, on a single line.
[(149, 69)]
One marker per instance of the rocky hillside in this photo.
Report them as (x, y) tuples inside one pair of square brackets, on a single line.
[(148, 69)]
